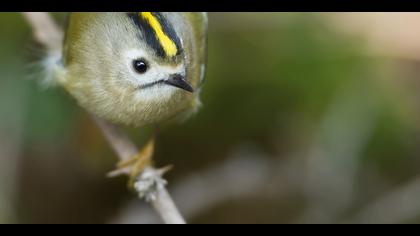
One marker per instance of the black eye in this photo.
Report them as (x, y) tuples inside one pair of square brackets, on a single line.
[(140, 66)]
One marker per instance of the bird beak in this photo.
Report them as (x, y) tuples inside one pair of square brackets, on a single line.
[(179, 81)]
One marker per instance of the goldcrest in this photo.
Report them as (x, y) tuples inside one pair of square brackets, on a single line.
[(134, 68)]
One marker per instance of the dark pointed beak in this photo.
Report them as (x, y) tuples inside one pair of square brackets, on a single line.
[(179, 81)]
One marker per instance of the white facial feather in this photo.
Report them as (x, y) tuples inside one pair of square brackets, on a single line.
[(155, 72)]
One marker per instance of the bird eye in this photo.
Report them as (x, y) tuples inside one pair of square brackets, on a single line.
[(140, 66)]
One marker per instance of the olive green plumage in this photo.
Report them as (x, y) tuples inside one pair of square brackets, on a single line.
[(119, 66)]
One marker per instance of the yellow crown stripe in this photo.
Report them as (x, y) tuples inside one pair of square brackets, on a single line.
[(167, 44)]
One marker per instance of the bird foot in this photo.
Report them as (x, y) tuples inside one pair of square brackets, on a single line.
[(135, 165)]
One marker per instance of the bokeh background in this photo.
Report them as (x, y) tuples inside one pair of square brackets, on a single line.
[(307, 118)]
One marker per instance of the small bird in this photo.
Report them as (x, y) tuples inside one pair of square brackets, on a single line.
[(134, 68)]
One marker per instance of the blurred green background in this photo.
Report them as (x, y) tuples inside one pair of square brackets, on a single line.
[(301, 123)]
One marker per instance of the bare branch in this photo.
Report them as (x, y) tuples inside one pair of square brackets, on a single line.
[(121, 143), (45, 30), (150, 184), (247, 172)]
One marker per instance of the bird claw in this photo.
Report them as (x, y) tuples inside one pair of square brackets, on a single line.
[(134, 166)]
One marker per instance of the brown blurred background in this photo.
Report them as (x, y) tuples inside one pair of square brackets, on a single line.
[(307, 118)]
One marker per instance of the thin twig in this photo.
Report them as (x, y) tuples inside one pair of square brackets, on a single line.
[(150, 185), (45, 30), (247, 173)]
